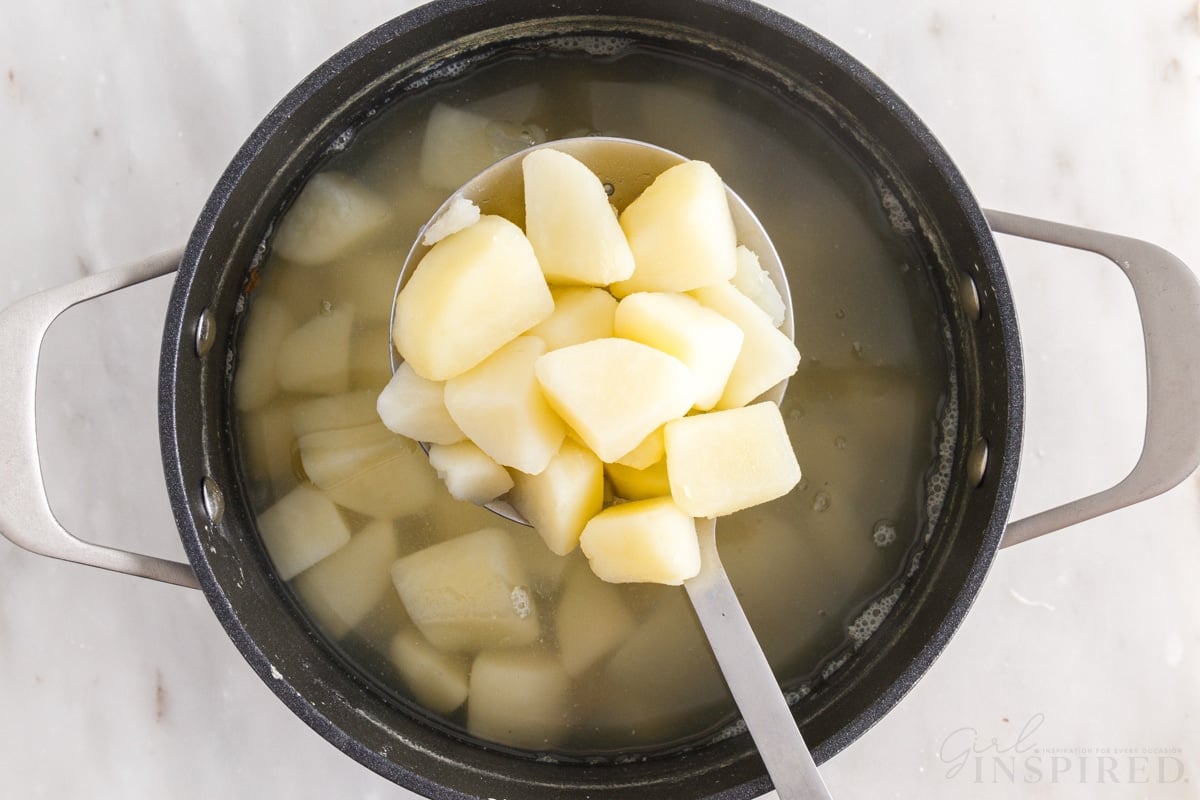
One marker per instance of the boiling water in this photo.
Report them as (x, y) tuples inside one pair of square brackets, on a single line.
[(817, 570)]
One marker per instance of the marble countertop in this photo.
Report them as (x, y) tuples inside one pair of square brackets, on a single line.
[(116, 120)]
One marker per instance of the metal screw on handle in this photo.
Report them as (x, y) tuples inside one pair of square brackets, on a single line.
[(1168, 300), (25, 515)]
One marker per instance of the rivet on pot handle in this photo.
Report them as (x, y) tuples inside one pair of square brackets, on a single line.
[(1168, 300), (25, 515)]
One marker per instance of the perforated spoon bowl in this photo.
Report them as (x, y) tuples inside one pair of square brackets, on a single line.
[(627, 167)]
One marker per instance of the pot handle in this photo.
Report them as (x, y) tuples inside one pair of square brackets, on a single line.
[(25, 515), (1168, 300)]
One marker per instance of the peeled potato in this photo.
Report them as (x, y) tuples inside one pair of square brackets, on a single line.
[(591, 620), (725, 461), (468, 472), (519, 698), (469, 593), (680, 231), (343, 588), (437, 680), (646, 541), (415, 407), (615, 392), (499, 406), (767, 356), (570, 224), (348, 410), (650, 451), (754, 282), (471, 294), (331, 213), (639, 484), (461, 142), (255, 383), (315, 357), (706, 342), (581, 313), (301, 529), (560, 500)]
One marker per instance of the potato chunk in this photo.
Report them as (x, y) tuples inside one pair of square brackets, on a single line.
[(592, 619), (267, 447), (369, 469), (332, 212), (724, 461), (650, 451), (705, 341), (754, 282), (415, 407), (315, 357), (348, 410), (639, 484), (461, 142), (615, 392), (648, 541), (437, 680), (680, 231), (469, 593), (468, 472), (581, 313), (255, 383), (519, 698), (570, 224), (302, 528), (342, 589), (768, 355), (471, 294), (500, 407), (560, 500)]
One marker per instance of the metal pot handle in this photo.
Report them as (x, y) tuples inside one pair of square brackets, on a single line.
[(1168, 300), (25, 515)]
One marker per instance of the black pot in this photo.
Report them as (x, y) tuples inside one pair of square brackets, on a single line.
[(216, 522)]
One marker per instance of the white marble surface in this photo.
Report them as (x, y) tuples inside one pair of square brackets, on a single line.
[(116, 119)]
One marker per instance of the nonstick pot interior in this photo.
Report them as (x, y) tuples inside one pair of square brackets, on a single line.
[(215, 519)]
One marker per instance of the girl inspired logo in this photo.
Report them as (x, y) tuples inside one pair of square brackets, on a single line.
[(1022, 760)]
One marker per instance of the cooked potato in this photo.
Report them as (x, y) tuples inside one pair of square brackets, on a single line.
[(332, 212), (646, 541), (469, 593), (343, 588), (255, 383), (560, 500), (615, 392), (706, 342), (415, 407), (500, 408), (754, 282), (639, 484), (437, 680), (315, 358), (519, 698), (724, 461), (301, 529), (767, 356), (649, 452), (591, 621), (581, 313), (471, 294), (468, 472), (348, 410), (680, 231), (570, 224)]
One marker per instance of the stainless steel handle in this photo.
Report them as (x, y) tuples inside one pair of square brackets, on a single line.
[(25, 515), (765, 711), (1168, 300)]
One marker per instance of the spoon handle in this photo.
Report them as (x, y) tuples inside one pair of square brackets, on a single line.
[(749, 677)]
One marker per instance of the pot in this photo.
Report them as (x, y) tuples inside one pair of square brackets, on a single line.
[(226, 559)]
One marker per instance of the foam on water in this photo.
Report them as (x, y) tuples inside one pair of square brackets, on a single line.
[(897, 216), (873, 616)]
